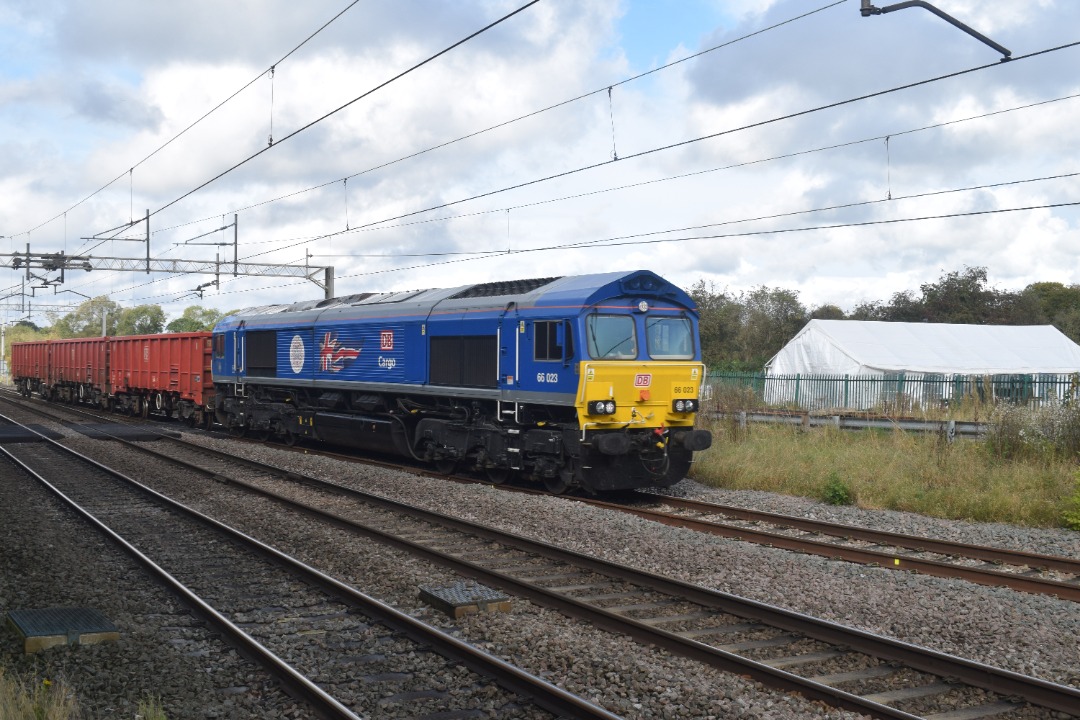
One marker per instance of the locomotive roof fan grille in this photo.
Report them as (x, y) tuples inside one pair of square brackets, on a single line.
[(503, 287)]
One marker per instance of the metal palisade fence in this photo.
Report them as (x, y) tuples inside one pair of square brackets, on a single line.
[(889, 392)]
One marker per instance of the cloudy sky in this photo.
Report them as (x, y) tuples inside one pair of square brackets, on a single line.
[(509, 157)]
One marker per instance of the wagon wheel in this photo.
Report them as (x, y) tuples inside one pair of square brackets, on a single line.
[(145, 405)]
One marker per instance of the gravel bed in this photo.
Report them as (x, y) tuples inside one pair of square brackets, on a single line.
[(51, 558), (1030, 634), (1024, 633)]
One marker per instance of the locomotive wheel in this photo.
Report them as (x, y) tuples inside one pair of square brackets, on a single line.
[(558, 484), (445, 466), (237, 430), (289, 438), (263, 435), (497, 475)]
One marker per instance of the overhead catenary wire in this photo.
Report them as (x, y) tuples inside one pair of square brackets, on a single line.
[(894, 133), (732, 166), (199, 119), (342, 107), (691, 141), (793, 115), (526, 116), (647, 238), (749, 233), (356, 99)]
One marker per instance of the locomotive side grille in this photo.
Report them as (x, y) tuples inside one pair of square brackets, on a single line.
[(262, 353), (464, 361)]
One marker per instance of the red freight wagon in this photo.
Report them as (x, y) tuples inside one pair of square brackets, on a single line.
[(161, 374), (78, 369), (29, 365)]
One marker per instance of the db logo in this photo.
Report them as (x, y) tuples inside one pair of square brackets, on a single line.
[(386, 340), (643, 380)]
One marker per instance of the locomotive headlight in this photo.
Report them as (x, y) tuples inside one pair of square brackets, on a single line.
[(684, 406), (602, 407)]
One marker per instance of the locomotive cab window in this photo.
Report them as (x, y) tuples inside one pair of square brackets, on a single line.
[(553, 340), (611, 337), (219, 345), (669, 338)]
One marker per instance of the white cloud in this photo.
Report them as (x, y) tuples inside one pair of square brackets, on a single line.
[(67, 132)]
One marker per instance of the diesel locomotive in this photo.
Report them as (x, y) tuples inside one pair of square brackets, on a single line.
[(589, 382)]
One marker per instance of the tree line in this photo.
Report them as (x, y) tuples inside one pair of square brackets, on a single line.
[(739, 331), (742, 331), (87, 321)]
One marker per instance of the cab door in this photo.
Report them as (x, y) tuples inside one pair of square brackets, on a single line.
[(509, 347), (546, 359)]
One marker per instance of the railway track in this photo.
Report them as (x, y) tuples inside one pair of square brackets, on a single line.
[(342, 652), (987, 565), (824, 661)]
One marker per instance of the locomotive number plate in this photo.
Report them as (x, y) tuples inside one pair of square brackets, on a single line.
[(684, 390)]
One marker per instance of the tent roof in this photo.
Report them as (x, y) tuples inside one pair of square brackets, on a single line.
[(946, 348)]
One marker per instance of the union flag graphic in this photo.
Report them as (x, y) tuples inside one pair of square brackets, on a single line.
[(332, 357)]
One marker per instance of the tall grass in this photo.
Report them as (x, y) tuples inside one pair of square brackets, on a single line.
[(994, 480), (48, 700), (42, 700)]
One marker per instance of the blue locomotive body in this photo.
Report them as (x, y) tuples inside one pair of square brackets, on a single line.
[(503, 378)]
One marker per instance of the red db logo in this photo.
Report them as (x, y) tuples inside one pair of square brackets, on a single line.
[(643, 380), (386, 340)]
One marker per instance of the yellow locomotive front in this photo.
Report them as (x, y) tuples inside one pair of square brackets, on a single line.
[(638, 397)]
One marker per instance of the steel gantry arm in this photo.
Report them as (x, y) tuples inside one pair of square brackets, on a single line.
[(868, 9), (323, 276)]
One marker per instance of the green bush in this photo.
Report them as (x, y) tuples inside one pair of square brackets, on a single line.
[(837, 492)]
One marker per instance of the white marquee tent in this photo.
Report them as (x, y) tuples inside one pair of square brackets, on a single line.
[(917, 351)]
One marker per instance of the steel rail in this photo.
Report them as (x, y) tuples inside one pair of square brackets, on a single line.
[(296, 684), (881, 537), (980, 575), (891, 561), (545, 694), (1038, 692), (997, 680)]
